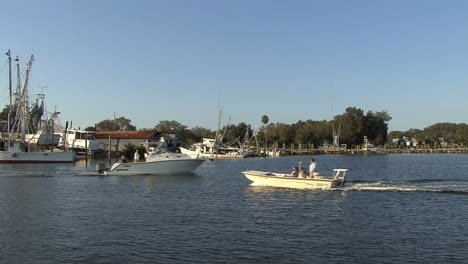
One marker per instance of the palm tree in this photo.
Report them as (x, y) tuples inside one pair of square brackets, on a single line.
[(265, 120)]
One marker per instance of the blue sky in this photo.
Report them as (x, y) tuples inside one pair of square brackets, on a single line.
[(291, 60)]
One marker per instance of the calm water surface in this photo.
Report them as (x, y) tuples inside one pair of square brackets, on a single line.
[(394, 209)]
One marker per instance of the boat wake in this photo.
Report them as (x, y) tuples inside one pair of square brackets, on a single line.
[(453, 186)]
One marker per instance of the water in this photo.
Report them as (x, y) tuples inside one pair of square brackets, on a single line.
[(394, 209)]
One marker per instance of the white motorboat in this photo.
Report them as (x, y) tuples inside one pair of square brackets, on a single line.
[(159, 161), (262, 178)]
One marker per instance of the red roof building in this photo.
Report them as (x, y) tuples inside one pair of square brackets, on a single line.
[(127, 134), (116, 140)]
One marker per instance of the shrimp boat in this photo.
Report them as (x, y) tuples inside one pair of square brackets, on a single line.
[(263, 178), (23, 120)]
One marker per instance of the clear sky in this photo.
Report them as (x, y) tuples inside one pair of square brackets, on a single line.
[(150, 60)]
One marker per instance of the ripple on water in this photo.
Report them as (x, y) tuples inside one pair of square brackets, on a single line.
[(394, 209)]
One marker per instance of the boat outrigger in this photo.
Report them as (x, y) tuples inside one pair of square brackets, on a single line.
[(262, 178), (24, 119)]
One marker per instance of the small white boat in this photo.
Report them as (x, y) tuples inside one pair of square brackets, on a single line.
[(262, 178), (160, 161)]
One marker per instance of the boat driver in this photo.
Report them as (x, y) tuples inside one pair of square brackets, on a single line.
[(312, 169)]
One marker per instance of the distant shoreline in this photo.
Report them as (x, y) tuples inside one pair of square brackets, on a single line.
[(289, 152)]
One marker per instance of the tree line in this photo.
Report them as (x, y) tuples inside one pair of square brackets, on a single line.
[(352, 126), (435, 136)]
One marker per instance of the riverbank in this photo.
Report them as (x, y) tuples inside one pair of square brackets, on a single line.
[(373, 151)]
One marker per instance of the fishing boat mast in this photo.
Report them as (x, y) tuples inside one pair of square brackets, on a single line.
[(215, 146), (8, 53), (24, 106), (18, 81)]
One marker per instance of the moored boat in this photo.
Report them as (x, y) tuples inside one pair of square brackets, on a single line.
[(22, 120), (234, 154), (263, 178), (15, 155), (79, 140)]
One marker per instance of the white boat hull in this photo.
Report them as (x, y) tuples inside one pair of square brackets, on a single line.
[(261, 178), (37, 157), (156, 167)]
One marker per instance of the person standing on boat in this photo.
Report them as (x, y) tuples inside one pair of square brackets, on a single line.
[(312, 168), (137, 156)]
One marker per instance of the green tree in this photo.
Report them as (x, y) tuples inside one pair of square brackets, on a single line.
[(455, 134), (200, 132), (323, 132), (235, 134), (376, 127), (4, 116), (176, 128), (265, 119), (304, 133), (4, 113), (170, 127), (118, 124), (352, 126), (284, 133)]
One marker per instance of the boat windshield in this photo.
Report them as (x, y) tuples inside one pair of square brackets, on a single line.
[(161, 151)]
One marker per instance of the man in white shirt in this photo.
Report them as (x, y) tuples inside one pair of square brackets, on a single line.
[(137, 156), (312, 168)]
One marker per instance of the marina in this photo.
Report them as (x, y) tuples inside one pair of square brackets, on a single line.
[(233, 132)]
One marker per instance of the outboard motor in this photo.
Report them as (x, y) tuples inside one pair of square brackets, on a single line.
[(340, 182), (339, 177), (101, 167)]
